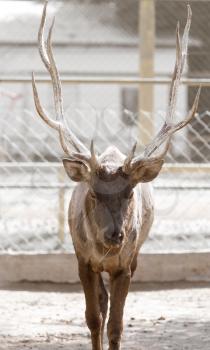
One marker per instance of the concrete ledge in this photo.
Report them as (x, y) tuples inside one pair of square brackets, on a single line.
[(62, 268)]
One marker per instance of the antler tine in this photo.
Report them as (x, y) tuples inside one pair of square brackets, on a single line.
[(45, 50), (129, 158), (169, 128), (93, 160), (67, 136), (167, 131), (174, 81), (49, 62), (41, 39), (45, 59), (52, 123), (55, 76), (181, 55)]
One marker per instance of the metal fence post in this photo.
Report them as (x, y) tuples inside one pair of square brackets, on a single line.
[(146, 51), (61, 218)]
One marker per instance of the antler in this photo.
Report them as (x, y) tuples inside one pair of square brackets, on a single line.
[(67, 137), (169, 128)]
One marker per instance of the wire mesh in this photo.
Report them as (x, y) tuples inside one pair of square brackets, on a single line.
[(99, 39), (32, 178)]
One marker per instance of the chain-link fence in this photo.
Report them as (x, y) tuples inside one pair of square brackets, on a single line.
[(99, 44)]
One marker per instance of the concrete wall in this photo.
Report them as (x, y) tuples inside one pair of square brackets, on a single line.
[(62, 268)]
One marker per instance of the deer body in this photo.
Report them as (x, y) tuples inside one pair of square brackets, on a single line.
[(111, 209), (94, 257)]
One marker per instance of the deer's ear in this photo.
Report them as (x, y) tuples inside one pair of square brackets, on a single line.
[(76, 170), (146, 170)]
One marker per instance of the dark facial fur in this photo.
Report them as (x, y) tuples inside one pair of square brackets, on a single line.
[(111, 193)]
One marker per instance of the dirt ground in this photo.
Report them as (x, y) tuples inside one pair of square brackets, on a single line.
[(51, 317)]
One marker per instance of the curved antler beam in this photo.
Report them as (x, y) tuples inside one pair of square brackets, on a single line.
[(67, 137)]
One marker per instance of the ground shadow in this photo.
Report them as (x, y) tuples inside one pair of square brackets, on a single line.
[(76, 288)]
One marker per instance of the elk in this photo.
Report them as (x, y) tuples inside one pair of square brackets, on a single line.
[(111, 209)]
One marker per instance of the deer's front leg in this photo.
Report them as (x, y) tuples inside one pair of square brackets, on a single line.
[(90, 282), (120, 283)]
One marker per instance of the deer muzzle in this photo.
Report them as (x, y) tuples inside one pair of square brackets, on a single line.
[(114, 238)]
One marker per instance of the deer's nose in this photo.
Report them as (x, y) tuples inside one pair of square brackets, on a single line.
[(114, 237)]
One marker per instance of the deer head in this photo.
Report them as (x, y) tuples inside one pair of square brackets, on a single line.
[(111, 177)]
